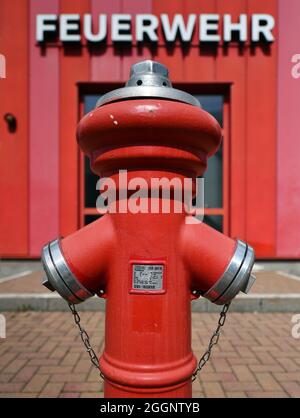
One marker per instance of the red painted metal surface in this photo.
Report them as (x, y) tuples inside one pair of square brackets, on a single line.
[(231, 67), (251, 217), (226, 165), (148, 353), (44, 107), (133, 53), (288, 144), (74, 67), (169, 55), (14, 144), (199, 65), (260, 141), (106, 60)]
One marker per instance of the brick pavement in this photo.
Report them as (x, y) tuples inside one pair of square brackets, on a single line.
[(43, 356), (267, 282)]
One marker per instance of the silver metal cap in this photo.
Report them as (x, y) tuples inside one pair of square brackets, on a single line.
[(59, 276), (149, 73), (148, 79), (236, 278)]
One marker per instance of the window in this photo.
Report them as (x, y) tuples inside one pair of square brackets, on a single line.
[(213, 184), (215, 180)]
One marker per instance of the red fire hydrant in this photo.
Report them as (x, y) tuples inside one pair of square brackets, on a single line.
[(148, 265)]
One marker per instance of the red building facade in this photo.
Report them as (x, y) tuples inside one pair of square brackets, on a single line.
[(48, 85)]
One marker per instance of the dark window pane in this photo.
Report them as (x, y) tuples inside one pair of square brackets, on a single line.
[(90, 101), (215, 221), (90, 179), (213, 183), (90, 218), (213, 104)]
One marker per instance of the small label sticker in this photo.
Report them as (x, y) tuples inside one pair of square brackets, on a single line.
[(147, 276)]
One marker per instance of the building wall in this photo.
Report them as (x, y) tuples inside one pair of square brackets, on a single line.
[(288, 143), (14, 147), (39, 170)]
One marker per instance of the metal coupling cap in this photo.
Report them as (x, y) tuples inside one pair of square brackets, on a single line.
[(148, 79), (236, 278), (59, 276)]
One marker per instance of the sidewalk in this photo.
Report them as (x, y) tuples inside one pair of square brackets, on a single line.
[(273, 291), (43, 356)]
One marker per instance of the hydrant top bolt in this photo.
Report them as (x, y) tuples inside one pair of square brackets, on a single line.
[(149, 66), (149, 73)]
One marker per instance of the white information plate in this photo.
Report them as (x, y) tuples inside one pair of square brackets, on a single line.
[(147, 277)]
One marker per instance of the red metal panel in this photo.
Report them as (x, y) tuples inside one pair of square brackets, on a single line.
[(261, 140), (171, 56), (14, 146), (288, 178), (231, 68), (226, 166), (105, 59), (44, 135), (134, 53), (199, 62), (74, 67)]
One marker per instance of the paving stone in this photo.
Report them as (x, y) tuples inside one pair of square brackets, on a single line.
[(248, 362)]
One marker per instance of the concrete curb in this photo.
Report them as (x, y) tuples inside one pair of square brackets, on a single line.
[(255, 302)]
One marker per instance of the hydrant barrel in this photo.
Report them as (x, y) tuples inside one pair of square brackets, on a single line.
[(148, 264)]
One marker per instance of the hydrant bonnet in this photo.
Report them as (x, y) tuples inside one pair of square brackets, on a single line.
[(148, 79)]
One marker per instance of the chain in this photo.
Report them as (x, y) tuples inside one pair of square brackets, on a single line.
[(213, 341), (204, 359), (86, 340)]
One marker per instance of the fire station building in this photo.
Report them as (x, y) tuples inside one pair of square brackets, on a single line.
[(239, 58)]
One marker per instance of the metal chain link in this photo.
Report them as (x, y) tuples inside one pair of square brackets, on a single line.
[(204, 359), (86, 340), (213, 341)]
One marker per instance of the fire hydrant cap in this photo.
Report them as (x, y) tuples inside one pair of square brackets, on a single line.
[(59, 276), (148, 79), (236, 278)]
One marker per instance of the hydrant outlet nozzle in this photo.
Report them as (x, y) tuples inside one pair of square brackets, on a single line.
[(236, 278), (59, 276)]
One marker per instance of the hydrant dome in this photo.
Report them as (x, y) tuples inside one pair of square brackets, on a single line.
[(161, 128)]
